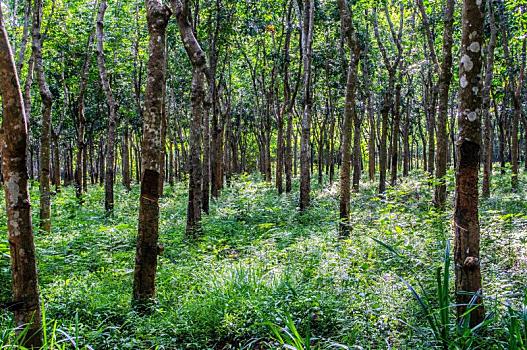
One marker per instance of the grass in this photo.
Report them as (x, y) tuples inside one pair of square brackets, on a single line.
[(264, 272)]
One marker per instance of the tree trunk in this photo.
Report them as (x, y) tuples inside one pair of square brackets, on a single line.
[(349, 115), (199, 67), (47, 99), (487, 148), (407, 153), (371, 118), (171, 164), (126, 159), (81, 122), (110, 155), (56, 162), (395, 135), (466, 221), (25, 35), (282, 142), (26, 301), (162, 155), (387, 105), (445, 77), (147, 247), (384, 135), (305, 151), (206, 178)]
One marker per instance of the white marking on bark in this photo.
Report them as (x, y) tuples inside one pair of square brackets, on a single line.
[(13, 188), (474, 47), (463, 81), (14, 224), (472, 116), (467, 63)]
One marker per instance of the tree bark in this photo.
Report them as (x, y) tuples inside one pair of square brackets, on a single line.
[(47, 100), (26, 301), (387, 105), (81, 123), (25, 34), (199, 67), (445, 77), (126, 159), (371, 116), (487, 148), (281, 141), (466, 221), (348, 33), (207, 159), (305, 149), (110, 151), (147, 249), (395, 135)]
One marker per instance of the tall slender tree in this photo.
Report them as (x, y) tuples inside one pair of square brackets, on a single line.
[(80, 120), (387, 105), (147, 250), (305, 147), (489, 70), (45, 138), (445, 76), (199, 70), (466, 220), (348, 32), (26, 301), (112, 110)]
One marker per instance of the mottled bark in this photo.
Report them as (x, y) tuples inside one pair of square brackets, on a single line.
[(466, 221), (445, 78), (213, 180), (288, 153), (281, 143), (371, 116), (25, 35), (199, 67), (80, 122), (407, 153), (395, 135), (26, 301), (45, 138), (112, 110), (125, 156), (56, 162), (487, 148), (387, 105), (162, 155), (305, 149), (207, 159), (348, 33), (172, 170), (147, 248)]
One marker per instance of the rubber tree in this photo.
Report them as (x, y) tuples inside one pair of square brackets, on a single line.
[(147, 249), (466, 220), (112, 110), (198, 60), (14, 137), (45, 138), (348, 32), (305, 149)]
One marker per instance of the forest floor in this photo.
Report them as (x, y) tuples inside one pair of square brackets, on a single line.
[(260, 263)]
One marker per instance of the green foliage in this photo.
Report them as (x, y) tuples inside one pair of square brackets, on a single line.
[(264, 272)]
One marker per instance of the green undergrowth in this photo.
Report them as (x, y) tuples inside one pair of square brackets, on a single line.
[(262, 269)]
